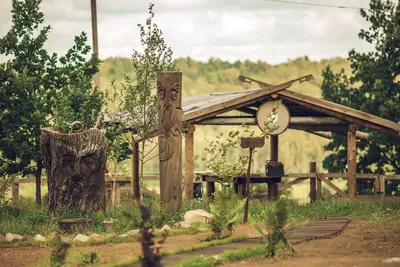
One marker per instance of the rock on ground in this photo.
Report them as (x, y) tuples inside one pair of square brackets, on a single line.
[(123, 235), (183, 225), (81, 238), (39, 238), (133, 233), (110, 235), (65, 239), (97, 237), (166, 228), (197, 216), (13, 237), (27, 238)]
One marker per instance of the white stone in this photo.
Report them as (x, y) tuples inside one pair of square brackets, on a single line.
[(110, 235), (133, 233), (97, 237), (13, 237), (197, 216), (392, 260), (81, 238), (123, 235), (39, 238), (166, 228), (183, 225)]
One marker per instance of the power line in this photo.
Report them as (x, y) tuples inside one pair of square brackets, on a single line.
[(313, 4)]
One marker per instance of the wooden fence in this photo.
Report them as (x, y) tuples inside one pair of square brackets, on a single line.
[(115, 186)]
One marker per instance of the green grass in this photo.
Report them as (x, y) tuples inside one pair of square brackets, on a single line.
[(182, 250)]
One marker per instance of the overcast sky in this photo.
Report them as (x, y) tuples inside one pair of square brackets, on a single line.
[(227, 29)]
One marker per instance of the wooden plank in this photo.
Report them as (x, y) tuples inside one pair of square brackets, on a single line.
[(366, 175), (291, 183), (169, 106), (330, 184), (205, 112), (333, 175), (352, 160), (345, 113), (189, 162), (252, 142), (313, 183)]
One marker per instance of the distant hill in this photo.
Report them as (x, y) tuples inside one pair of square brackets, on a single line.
[(297, 148)]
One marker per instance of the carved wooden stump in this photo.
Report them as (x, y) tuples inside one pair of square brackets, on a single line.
[(75, 165)]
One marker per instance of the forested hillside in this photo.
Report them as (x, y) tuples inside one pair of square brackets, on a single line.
[(297, 148)]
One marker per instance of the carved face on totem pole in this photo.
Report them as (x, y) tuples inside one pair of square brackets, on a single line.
[(75, 165), (168, 95)]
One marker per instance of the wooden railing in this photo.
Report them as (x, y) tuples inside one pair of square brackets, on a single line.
[(114, 185)]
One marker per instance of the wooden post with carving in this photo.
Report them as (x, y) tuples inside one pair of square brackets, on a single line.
[(169, 103), (351, 160), (250, 142), (313, 182), (272, 184)]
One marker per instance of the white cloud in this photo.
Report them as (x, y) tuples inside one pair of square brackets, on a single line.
[(228, 29)]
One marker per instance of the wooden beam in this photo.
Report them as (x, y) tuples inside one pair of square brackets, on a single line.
[(15, 192), (169, 106), (352, 160), (247, 110), (189, 162), (330, 184)]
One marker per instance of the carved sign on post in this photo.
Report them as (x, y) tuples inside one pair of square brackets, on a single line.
[(75, 165), (169, 102), (250, 142)]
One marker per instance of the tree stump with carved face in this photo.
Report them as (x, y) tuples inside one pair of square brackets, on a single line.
[(75, 164)]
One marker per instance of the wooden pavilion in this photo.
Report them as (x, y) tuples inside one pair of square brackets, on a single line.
[(310, 114)]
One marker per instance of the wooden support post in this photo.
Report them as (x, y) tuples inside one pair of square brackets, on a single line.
[(210, 189), (272, 185), (95, 38), (382, 186), (351, 160), (135, 181), (117, 194), (313, 182), (169, 106), (15, 192), (189, 166)]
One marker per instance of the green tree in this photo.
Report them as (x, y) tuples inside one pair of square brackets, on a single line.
[(39, 90), (373, 88), (138, 100)]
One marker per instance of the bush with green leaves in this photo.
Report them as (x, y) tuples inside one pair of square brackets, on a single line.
[(275, 223), (86, 259), (227, 210)]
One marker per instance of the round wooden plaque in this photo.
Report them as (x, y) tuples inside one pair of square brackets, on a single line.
[(281, 119)]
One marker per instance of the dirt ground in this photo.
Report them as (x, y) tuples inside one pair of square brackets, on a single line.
[(109, 253), (361, 244)]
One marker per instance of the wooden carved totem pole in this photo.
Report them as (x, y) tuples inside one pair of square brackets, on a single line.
[(75, 165), (169, 102)]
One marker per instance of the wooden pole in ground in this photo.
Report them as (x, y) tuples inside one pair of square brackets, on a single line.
[(93, 7), (169, 106), (189, 166), (313, 182), (251, 143), (135, 180), (15, 192), (272, 185), (351, 160)]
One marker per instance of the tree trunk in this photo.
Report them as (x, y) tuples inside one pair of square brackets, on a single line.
[(38, 176), (75, 164)]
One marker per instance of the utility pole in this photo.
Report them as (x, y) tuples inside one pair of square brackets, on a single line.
[(95, 39)]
